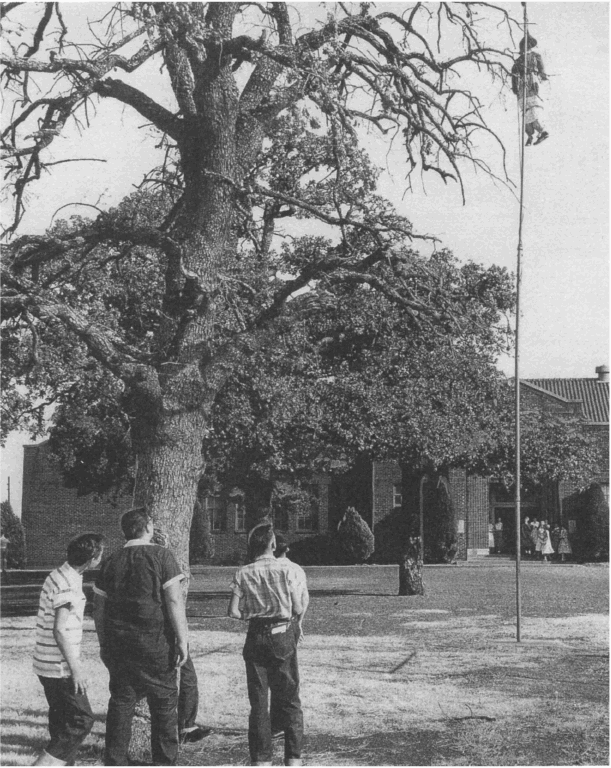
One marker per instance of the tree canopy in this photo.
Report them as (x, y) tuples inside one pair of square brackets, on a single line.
[(265, 191)]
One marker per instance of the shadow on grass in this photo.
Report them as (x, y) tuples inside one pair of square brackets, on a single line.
[(452, 743)]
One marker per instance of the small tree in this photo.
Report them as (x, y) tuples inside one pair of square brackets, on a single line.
[(593, 527), (355, 538), (13, 530)]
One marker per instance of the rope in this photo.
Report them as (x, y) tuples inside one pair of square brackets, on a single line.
[(517, 348)]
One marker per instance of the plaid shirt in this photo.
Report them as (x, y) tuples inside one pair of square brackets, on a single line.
[(265, 587)]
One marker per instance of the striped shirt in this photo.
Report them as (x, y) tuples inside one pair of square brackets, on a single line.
[(63, 586), (265, 587)]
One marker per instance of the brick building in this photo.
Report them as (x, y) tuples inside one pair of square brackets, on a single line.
[(51, 513)]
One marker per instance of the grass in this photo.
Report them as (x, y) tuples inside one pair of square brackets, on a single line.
[(433, 680)]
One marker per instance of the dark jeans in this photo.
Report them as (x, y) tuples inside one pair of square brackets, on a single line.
[(188, 697), (128, 684), (271, 663), (70, 718)]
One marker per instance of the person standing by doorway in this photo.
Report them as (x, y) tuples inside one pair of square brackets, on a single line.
[(564, 544), (499, 543)]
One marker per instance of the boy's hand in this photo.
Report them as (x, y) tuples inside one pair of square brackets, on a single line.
[(80, 682), (182, 654), (300, 634)]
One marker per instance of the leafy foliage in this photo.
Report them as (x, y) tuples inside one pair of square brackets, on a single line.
[(355, 538), (13, 530), (593, 525)]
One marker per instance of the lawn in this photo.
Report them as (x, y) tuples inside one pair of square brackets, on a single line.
[(432, 680)]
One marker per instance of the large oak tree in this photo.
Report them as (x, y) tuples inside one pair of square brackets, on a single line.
[(262, 139)]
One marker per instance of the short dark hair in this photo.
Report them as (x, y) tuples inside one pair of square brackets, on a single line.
[(260, 540), (134, 522), (87, 546), (282, 545)]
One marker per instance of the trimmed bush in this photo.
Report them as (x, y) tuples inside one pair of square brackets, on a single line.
[(356, 541), (13, 530), (592, 540)]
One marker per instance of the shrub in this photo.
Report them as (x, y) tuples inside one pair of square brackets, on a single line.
[(13, 530), (592, 540), (356, 541)]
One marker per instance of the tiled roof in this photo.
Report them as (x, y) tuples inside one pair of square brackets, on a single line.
[(592, 393)]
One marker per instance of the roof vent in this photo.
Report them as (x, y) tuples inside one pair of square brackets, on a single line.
[(603, 373)]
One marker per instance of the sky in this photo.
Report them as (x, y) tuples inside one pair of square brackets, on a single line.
[(565, 266)]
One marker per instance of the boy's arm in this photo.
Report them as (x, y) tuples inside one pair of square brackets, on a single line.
[(68, 650), (178, 619), (233, 609), (305, 601), (99, 602)]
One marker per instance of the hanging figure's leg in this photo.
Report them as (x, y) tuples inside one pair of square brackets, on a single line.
[(543, 134), (530, 132)]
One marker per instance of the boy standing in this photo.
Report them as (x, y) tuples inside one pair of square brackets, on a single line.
[(57, 653), (266, 594), (140, 618)]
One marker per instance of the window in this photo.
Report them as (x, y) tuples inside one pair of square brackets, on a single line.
[(397, 496), (307, 515), (239, 515), (216, 513), (280, 517)]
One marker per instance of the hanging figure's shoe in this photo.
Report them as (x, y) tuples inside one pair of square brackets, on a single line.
[(542, 136)]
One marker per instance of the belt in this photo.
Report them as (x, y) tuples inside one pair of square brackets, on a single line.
[(268, 621)]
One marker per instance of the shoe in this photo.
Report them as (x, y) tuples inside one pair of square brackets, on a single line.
[(277, 734), (197, 734), (542, 137)]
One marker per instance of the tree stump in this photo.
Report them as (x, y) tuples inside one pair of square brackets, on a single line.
[(140, 744), (410, 569)]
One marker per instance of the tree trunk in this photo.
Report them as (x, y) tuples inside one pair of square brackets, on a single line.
[(140, 744), (169, 468), (410, 569)]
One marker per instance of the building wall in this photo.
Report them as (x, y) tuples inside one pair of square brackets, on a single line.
[(384, 476), (457, 483), (231, 546), (469, 496), (478, 515), (53, 514)]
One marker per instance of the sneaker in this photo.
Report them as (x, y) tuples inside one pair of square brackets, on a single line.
[(542, 137), (197, 734)]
